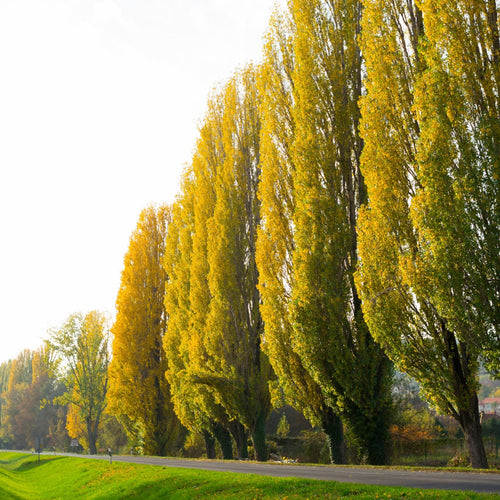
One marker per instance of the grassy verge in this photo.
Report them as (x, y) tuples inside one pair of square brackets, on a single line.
[(22, 476)]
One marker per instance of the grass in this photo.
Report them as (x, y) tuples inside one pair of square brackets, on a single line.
[(23, 477)]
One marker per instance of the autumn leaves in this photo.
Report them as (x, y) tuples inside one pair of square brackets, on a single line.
[(339, 215)]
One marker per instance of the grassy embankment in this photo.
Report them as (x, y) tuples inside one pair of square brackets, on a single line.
[(22, 476)]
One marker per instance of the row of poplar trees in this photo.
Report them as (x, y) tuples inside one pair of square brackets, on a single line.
[(339, 216)]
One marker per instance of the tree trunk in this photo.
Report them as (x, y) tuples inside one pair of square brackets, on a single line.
[(332, 427), (372, 435), (209, 444), (92, 438), (259, 438), (370, 421), (471, 425), (464, 369), (240, 437), (223, 436)]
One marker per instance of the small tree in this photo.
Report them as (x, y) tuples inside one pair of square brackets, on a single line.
[(81, 346), (283, 427)]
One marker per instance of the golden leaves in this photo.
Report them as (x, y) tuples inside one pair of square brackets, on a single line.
[(137, 371)]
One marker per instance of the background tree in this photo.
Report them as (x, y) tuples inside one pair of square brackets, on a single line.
[(413, 170), (44, 392), (331, 335), (139, 392), (81, 347), (17, 419), (5, 369), (275, 242), (31, 418), (413, 419)]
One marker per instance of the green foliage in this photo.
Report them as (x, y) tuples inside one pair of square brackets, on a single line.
[(113, 435), (314, 447), (194, 446)]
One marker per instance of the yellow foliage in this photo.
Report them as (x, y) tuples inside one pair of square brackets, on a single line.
[(138, 388), (218, 372), (275, 239), (76, 427)]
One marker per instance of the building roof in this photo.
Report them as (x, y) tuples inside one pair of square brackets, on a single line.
[(486, 401)]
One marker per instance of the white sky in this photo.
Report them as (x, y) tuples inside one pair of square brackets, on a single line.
[(99, 106)]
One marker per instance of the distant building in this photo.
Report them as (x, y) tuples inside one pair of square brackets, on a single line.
[(490, 406)]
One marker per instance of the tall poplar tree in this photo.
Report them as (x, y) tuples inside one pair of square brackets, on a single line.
[(427, 235), (188, 294), (208, 159), (194, 403), (456, 210), (235, 368), (331, 335), (139, 393), (276, 243)]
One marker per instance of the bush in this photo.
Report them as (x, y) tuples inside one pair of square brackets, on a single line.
[(194, 446), (314, 447), (459, 460)]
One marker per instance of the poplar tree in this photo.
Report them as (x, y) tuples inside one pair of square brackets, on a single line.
[(177, 260), (331, 335), (427, 235), (188, 294), (139, 393), (456, 209), (194, 403), (235, 368), (276, 243)]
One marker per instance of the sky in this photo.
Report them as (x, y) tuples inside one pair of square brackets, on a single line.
[(100, 102)]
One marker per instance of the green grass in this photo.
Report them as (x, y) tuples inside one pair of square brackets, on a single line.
[(22, 476)]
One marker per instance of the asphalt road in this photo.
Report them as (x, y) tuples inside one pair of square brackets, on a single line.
[(464, 481)]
